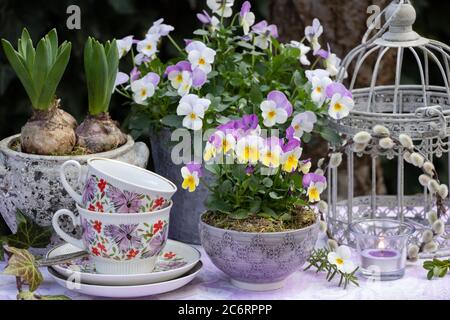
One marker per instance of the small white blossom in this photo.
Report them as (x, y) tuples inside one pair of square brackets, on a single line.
[(341, 259), (427, 236), (124, 45), (332, 244), (359, 147), (428, 167), (221, 8), (362, 137), (387, 143), (319, 172), (335, 160), (417, 159), (304, 50), (193, 109), (443, 191), (380, 130), (323, 206), (430, 247), (407, 156), (424, 180), (413, 252), (406, 141)]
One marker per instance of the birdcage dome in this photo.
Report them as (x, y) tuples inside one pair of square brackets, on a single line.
[(420, 110), (416, 109)]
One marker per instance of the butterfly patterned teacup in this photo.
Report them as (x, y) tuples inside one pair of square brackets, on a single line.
[(112, 186), (119, 243)]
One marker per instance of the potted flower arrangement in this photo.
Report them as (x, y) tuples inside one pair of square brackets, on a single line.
[(233, 66), (30, 161)]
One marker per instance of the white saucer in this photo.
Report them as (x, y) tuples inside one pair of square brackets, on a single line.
[(175, 260), (126, 291)]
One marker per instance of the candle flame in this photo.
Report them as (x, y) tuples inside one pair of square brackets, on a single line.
[(381, 244)]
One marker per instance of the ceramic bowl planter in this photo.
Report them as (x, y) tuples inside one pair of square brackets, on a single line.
[(31, 182), (258, 261)]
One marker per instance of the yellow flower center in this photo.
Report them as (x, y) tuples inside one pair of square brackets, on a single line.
[(189, 183), (149, 47), (319, 89), (201, 61), (297, 127), (143, 92), (291, 164), (313, 194), (193, 116), (179, 78), (339, 261), (272, 114), (338, 107)]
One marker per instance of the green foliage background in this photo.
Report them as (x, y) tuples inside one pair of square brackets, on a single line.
[(106, 19)]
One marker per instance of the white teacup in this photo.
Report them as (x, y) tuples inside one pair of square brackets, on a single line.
[(119, 243), (113, 186)]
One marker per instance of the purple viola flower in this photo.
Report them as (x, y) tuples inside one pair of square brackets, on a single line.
[(140, 59), (198, 78), (281, 101), (338, 88), (290, 133), (179, 67), (250, 170), (204, 17), (249, 122), (291, 144), (187, 42), (246, 6), (263, 28), (135, 74), (229, 126), (153, 78), (88, 231), (195, 167), (324, 54), (89, 190), (121, 79), (311, 178), (160, 29), (124, 202), (124, 235)]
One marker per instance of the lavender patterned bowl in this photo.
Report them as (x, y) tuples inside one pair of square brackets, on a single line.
[(258, 261), (119, 243)]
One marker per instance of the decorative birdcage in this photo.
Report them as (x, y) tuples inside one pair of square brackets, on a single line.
[(422, 111)]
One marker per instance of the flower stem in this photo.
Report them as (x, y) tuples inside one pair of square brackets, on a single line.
[(175, 44)]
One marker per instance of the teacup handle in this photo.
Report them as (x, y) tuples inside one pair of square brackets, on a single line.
[(62, 174), (76, 222)]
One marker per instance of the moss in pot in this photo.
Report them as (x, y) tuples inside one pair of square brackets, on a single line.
[(50, 130), (98, 132)]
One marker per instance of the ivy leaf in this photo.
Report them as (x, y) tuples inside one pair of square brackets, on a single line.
[(55, 297), (28, 295), (29, 234), (22, 264)]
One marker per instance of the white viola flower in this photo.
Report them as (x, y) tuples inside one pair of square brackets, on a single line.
[(223, 142), (213, 26), (304, 50), (305, 166), (417, 159), (159, 29), (340, 106), (313, 34), (362, 137), (193, 108), (246, 17), (382, 131), (222, 8), (319, 73), (270, 155), (303, 122), (264, 34), (341, 259), (429, 169), (124, 45), (290, 159), (406, 141), (332, 64), (443, 191), (200, 56), (144, 88), (210, 152), (335, 160), (191, 180), (314, 191), (181, 80), (247, 149), (319, 86), (149, 46), (386, 143), (272, 114)]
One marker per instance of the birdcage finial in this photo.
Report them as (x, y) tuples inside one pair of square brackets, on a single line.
[(401, 25)]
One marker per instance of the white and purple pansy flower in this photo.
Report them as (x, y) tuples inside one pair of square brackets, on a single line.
[(211, 21), (276, 109), (193, 109), (124, 45), (246, 17), (144, 88), (341, 101), (303, 122), (264, 34), (191, 174), (271, 151), (304, 50), (121, 79), (313, 33), (315, 185), (135, 74), (292, 151), (319, 83), (222, 8), (160, 29), (200, 56)]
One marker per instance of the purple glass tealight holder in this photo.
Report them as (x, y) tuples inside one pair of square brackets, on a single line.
[(382, 247)]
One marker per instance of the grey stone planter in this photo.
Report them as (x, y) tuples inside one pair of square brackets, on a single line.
[(258, 261), (31, 184), (187, 207)]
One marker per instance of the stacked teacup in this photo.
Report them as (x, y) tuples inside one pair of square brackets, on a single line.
[(123, 213)]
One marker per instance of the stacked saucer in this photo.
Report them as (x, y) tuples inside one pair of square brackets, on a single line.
[(177, 265)]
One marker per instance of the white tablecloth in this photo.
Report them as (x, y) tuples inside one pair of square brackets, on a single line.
[(212, 284)]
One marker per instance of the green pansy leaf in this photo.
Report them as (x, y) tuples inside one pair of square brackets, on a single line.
[(172, 121), (240, 214), (201, 32), (275, 196), (22, 264)]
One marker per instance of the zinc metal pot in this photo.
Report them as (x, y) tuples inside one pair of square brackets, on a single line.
[(31, 184), (258, 261), (187, 207)]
